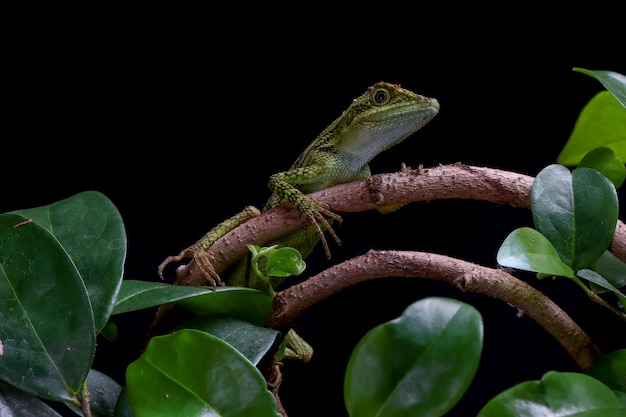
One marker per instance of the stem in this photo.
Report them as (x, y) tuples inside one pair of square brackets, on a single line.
[(597, 299), (85, 402)]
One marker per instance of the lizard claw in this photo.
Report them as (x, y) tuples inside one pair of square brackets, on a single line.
[(319, 216), (205, 264)]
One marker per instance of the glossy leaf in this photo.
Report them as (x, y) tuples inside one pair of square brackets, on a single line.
[(17, 403), (90, 229), (577, 212), (191, 373), (254, 342), (123, 408), (610, 369), (600, 281), (613, 81), (419, 364), (528, 250), (611, 268), (103, 394), (46, 327), (244, 303), (556, 395), (284, 262), (602, 122), (604, 160)]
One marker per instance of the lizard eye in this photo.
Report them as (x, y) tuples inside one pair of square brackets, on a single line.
[(381, 96)]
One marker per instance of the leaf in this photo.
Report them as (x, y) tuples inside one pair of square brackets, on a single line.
[(191, 373), (90, 229), (602, 122), (610, 369), (611, 268), (612, 81), (577, 212), (47, 330), (419, 364), (103, 394), (600, 281), (17, 403), (528, 250), (557, 394), (254, 342), (604, 160), (283, 262)]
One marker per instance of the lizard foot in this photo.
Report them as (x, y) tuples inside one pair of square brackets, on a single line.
[(319, 216), (204, 260)]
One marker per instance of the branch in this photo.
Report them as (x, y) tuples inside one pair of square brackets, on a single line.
[(290, 303), (408, 186)]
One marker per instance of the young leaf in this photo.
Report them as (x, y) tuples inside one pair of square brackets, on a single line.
[(419, 364), (602, 122), (283, 262), (90, 229), (604, 160), (557, 394), (612, 81), (194, 374), (47, 330), (528, 250), (577, 212)]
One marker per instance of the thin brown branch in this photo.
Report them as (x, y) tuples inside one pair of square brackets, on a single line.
[(408, 186), (468, 277)]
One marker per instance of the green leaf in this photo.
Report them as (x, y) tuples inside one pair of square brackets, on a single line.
[(191, 373), (17, 403), (611, 268), (90, 229), (419, 364), (602, 122), (600, 281), (557, 394), (239, 302), (604, 160), (577, 212), (614, 82), (254, 342), (610, 369), (283, 262), (528, 250), (47, 329), (103, 394)]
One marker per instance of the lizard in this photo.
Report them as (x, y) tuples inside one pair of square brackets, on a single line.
[(383, 116)]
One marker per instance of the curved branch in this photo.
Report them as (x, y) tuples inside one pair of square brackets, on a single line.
[(407, 186), (290, 303)]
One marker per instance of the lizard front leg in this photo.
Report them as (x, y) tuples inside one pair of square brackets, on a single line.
[(198, 251)]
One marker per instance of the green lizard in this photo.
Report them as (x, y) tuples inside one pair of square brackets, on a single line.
[(382, 117)]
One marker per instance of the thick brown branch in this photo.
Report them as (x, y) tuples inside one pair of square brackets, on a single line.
[(292, 302), (408, 186)]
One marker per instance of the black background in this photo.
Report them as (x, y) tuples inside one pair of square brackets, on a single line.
[(180, 117)]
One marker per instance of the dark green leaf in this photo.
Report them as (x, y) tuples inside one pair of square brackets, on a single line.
[(254, 342), (614, 82), (191, 373), (417, 365), (47, 330), (528, 250), (556, 395), (239, 302), (123, 408), (16, 403), (602, 122), (604, 160), (611, 268), (600, 281), (90, 229), (103, 394), (577, 212), (610, 369), (244, 303)]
